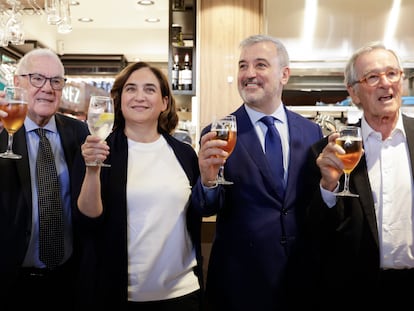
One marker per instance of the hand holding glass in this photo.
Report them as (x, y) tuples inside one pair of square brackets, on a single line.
[(15, 104), (350, 140), (100, 120), (226, 129)]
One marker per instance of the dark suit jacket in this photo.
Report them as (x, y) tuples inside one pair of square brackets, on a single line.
[(345, 237), (256, 232), (104, 270), (16, 195)]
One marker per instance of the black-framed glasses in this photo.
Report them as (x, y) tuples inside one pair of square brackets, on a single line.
[(38, 80), (372, 78)]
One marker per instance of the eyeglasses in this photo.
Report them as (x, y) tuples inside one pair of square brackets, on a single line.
[(38, 80), (393, 75)]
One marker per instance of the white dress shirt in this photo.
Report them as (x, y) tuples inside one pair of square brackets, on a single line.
[(390, 175)]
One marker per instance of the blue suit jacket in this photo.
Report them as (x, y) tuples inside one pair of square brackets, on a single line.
[(256, 232)]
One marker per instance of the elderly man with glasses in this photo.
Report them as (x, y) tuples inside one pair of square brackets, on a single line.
[(363, 246), (28, 274)]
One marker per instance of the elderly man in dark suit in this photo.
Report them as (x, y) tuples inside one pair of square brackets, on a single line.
[(258, 226), (26, 278), (363, 247)]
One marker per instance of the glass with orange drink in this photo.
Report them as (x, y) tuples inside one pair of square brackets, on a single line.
[(15, 104), (350, 140), (226, 129)]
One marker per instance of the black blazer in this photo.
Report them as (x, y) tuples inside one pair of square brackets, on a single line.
[(104, 274), (344, 239), (16, 194)]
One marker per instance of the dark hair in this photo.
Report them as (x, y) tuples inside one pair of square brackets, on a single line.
[(168, 119)]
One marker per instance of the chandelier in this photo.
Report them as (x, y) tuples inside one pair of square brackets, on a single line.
[(11, 11)]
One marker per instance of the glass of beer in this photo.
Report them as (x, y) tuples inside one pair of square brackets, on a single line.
[(350, 140), (226, 129), (15, 104)]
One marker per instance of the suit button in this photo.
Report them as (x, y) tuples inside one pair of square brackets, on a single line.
[(283, 240), (284, 211)]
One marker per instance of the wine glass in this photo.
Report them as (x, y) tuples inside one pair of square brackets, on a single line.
[(226, 129), (350, 140), (15, 104), (100, 120)]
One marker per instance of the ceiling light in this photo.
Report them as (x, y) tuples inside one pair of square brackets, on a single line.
[(392, 22), (152, 20), (145, 2), (85, 20)]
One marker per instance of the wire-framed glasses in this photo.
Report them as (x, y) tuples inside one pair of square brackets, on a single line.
[(38, 80), (372, 78)]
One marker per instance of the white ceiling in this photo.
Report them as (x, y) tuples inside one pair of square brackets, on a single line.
[(340, 26), (119, 27)]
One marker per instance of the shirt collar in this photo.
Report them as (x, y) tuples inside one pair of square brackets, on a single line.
[(31, 126), (255, 116), (367, 130)]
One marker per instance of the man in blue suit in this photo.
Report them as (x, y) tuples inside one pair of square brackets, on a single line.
[(257, 228)]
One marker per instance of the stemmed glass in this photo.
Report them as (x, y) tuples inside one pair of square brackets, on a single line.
[(100, 120), (15, 104), (226, 129), (350, 140)]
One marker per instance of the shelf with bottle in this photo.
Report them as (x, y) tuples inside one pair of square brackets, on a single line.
[(181, 71), (182, 46)]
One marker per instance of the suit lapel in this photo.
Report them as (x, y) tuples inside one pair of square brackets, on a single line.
[(360, 182), (295, 142), (23, 169), (409, 131), (248, 140), (63, 137), (68, 138)]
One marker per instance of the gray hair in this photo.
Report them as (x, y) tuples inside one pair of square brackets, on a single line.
[(24, 63), (350, 75), (282, 53)]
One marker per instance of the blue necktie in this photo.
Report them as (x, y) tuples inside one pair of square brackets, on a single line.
[(274, 153)]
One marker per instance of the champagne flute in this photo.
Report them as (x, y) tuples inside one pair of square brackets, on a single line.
[(15, 104), (350, 140), (226, 129), (100, 120)]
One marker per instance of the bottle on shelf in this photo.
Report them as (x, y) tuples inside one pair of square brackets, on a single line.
[(175, 73), (186, 74)]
